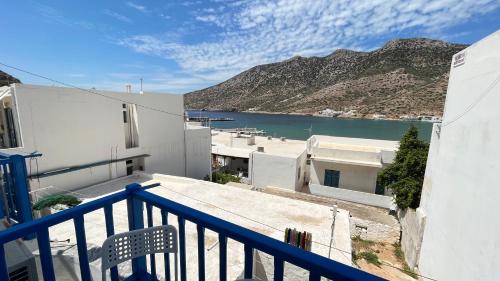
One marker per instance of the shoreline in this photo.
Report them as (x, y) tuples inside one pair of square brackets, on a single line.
[(316, 115)]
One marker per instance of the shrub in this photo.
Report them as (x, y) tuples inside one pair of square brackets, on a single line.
[(56, 199), (223, 178)]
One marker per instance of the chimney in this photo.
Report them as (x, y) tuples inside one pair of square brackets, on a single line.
[(251, 140)]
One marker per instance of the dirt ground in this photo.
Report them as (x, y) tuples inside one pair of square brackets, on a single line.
[(387, 260), (387, 225)]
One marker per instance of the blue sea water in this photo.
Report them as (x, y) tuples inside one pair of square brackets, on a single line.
[(296, 126)]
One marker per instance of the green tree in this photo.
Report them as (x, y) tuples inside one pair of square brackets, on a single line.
[(405, 176)]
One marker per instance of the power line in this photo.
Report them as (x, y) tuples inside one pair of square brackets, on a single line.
[(343, 252), (87, 90), (247, 218), (473, 104)]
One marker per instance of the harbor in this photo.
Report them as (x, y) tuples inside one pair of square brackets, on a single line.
[(301, 127)]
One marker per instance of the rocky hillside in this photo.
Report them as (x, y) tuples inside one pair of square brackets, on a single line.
[(405, 76), (6, 79)]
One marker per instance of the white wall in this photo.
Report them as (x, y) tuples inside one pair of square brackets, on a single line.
[(72, 127), (273, 170), (353, 177), (461, 239), (412, 230), (198, 153)]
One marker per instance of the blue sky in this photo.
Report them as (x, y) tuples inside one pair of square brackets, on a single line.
[(180, 46)]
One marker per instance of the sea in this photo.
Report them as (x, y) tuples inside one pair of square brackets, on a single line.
[(300, 127)]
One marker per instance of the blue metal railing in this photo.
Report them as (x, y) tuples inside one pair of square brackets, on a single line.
[(15, 201), (136, 197)]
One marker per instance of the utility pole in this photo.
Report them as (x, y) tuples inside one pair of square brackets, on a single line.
[(141, 92), (334, 215)]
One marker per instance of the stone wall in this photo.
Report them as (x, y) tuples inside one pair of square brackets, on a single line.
[(374, 231)]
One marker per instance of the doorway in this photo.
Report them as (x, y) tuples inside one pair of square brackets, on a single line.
[(332, 178)]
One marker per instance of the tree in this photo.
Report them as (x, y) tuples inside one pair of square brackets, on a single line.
[(405, 176)]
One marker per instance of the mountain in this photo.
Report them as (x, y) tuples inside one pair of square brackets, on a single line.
[(405, 76), (6, 79)]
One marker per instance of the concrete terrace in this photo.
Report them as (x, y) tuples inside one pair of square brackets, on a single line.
[(263, 213), (230, 145)]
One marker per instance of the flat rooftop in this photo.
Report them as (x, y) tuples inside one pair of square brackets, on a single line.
[(264, 213), (230, 145), (355, 144)]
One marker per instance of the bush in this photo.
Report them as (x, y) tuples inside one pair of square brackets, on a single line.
[(222, 178), (56, 199), (369, 257), (405, 176)]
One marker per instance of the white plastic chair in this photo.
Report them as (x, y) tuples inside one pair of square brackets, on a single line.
[(137, 243)]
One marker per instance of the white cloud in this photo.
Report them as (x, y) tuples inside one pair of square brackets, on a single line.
[(165, 82), (56, 16), (138, 7), (263, 31), (117, 16)]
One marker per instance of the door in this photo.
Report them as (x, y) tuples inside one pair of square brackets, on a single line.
[(11, 128), (332, 178)]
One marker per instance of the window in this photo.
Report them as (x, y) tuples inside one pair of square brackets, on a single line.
[(130, 125), (298, 174)]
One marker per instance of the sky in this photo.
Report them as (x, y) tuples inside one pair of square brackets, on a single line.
[(181, 46)]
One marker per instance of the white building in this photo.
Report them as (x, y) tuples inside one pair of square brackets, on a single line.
[(348, 163), (89, 137), (265, 162), (322, 163), (461, 191)]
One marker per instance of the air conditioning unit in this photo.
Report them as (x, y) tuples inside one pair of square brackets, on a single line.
[(260, 149), (21, 263), (283, 139)]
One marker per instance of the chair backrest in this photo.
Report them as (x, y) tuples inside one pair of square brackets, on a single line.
[(137, 243)]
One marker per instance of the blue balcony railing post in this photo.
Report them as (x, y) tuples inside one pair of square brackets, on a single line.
[(135, 211), (201, 252), (23, 203), (110, 231), (81, 244), (152, 257), (182, 247), (164, 221), (248, 261)]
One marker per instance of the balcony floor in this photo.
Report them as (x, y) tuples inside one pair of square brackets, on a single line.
[(271, 210)]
